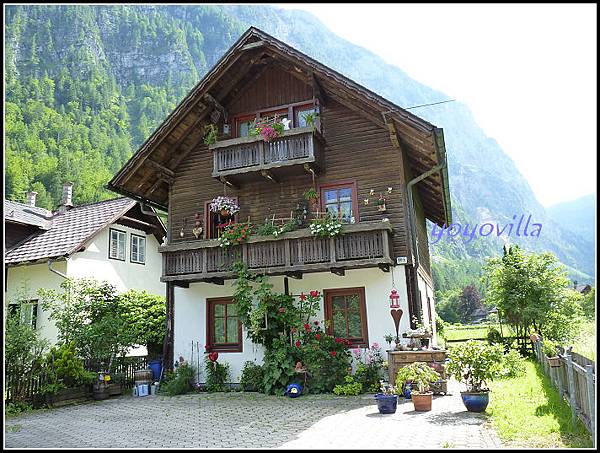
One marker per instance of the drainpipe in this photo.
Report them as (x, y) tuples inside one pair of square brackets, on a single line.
[(50, 262), (441, 158)]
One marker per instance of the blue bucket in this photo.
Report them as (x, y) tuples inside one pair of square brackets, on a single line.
[(156, 367)]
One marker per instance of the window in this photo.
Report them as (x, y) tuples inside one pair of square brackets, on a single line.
[(117, 245), (346, 309), (300, 112), (292, 112), (224, 328), (138, 249), (27, 312), (212, 220), (243, 125), (340, 200)]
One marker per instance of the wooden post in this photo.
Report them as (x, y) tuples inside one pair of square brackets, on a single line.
[(561, 389), (169, 312), (572, 401), (589, 377)]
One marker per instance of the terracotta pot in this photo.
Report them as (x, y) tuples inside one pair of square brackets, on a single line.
[(224, 212), (534, 337), (422, 401)]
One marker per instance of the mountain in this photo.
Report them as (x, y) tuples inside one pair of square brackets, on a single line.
[(577, 216), (86, 85)]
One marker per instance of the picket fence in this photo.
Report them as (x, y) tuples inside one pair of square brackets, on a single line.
[(575, 379)]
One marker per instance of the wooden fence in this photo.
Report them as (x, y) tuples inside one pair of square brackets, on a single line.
[(520, 342), (575, 379), (23, 388)]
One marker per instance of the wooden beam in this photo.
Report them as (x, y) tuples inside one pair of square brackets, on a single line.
[(226, 181), (181, 284), (243, 85), (318, 92), (384, 267), (141, 222), (215, 280), (161, 168), (268, 175), (252, 45), (338, 271), (294, 274), (154, 186)]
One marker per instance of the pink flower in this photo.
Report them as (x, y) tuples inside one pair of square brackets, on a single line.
[(294, 330), (356, 352), (281, 310), (302, 296), (375, 346)]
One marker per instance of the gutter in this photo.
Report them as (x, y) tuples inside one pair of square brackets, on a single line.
[(50, 262), (440, 154)]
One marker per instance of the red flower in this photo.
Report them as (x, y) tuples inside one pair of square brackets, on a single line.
[(347, 342), (318, 336), (297, 343), (302, 296), (281, 309), (316, 323), (314, 293), (307, 327), (338, 340), (213, 356), (333, 353), (239, 239)]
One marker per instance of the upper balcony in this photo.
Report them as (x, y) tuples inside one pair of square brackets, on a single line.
[(365, 244), (244, 158)]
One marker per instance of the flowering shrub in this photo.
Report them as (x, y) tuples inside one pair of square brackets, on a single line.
[(220, 203), (235, 234), (326, 227), (370, 367), (217, 374), (350, 387)]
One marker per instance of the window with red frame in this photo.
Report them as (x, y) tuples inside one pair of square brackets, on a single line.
[(347, 312), (224, 328), (294, 112)]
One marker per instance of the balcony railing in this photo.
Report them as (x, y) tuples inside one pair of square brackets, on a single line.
[(361, 245), (295, 147)]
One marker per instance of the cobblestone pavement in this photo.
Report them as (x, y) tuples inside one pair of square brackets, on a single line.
[(245, 420)]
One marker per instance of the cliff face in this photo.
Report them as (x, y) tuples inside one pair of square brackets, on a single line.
[(108, 75)]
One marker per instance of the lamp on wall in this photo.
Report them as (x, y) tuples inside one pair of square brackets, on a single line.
[(394, 299)]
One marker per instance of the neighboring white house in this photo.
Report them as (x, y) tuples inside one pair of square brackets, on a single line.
[(110, 241)]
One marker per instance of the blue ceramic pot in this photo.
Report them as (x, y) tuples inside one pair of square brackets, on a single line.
[(386, 404), (475, 402)]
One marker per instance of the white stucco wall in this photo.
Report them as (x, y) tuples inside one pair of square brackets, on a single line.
[(427, 291), (23, 282), (190, 310), (93, 262), (125, 275)]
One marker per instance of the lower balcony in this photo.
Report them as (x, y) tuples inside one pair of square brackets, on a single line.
[(361, 245)]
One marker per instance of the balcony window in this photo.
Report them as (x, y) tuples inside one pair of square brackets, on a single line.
[(340, 200)]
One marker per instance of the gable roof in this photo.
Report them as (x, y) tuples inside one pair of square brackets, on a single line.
[(150, 170), (27, 215), (69, 231)]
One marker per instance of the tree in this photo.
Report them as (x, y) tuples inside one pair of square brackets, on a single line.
[(87, 313), (470, 301), (531, 291)]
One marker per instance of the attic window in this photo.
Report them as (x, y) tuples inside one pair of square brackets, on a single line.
[(117, 245), (294, 112)]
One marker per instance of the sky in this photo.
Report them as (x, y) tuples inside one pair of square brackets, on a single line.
[(527, 72)]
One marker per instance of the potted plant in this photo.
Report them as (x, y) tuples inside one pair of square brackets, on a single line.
[(381, 203), (421, 376), (474, 363), (211, 134), (312, 196), (100, 390), (224, 205), (549, 349), (387, 400), (116, 384)]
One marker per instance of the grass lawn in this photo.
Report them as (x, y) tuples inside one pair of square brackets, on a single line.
[(585, 343), (527, 412), (468, 332)]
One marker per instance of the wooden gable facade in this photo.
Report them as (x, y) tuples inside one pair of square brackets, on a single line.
[(362, 141)]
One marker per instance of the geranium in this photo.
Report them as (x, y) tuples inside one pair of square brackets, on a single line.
[(294, 330), (339, 340), (234, 234), (333, 353), (307, 327), (302, 297), (318, 336), (297, 343), (281, 310), (316, 323), (329, 226)]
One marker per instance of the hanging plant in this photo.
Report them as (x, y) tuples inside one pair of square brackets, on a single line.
[(224, 205), (211, 134), (235, 234), (381, 203)]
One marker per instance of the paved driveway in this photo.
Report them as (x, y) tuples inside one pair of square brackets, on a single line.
[(251, 420)]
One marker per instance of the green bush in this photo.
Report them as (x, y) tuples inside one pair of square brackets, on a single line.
[(475, 363), (179, 382), (252, 377), (370, 372), (17, 408), (217, 375), (494, 336), (549, 348), (418, 373), (513, 364), (350, 388), (63, 369), (278, 366)]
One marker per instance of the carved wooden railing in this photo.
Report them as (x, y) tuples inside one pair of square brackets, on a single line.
[(249, 154), (361, 245)]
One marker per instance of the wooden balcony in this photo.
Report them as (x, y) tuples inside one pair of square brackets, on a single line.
[(361, 245), (250, 157)]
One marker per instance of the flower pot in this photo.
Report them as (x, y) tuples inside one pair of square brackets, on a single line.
[(475, 401), (224, 212), (381, 207), (100, 392), (422, 401), (115, 389), (386, 404), (407, 390), (554, 361)]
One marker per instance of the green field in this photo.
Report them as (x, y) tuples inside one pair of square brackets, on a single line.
[(585, 343), (469, 332), (527, 412)]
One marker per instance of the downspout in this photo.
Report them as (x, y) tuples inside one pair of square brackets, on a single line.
[(441, 158), (50, 262)]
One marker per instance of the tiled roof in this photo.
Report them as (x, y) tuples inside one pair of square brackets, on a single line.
[(28, 215), (69, 230)]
